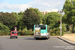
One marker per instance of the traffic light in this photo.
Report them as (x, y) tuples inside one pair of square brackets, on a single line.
[(59, 21)]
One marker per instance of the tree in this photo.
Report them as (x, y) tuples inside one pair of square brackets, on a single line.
[(40, 14), (30, 18), (4, 29), (44, 18), (52, 19), (8, 19), (19, 23), (69, 9)]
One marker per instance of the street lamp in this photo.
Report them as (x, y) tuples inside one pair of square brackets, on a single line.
[(62, 13)]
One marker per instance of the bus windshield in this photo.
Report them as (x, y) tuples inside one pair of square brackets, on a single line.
[(41, 26)]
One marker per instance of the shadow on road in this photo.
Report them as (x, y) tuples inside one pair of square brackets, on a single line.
[(29, 39), (12, 38), (66, 41), (35, 39), (41, 39)]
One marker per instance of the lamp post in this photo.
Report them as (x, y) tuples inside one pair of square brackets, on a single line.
[(62, 13)]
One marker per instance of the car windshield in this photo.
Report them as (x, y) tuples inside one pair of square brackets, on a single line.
[(15, 32)]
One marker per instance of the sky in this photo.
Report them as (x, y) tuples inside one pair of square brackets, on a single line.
[(22, 5)]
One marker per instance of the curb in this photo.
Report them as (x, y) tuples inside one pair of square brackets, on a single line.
[(66, 40)]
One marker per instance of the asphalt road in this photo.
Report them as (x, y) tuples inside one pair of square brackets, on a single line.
[(29, 43)]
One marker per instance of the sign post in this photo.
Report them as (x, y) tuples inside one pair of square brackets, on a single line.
[(15, 28), (62, 13)]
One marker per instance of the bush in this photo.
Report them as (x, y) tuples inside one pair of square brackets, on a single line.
[(64, 28), (25, 29), (4, 30), (62, 33), (28, 32), (20, 32), (55, 32)]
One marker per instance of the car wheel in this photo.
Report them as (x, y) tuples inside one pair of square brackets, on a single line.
[(16, 37), (10, 37)]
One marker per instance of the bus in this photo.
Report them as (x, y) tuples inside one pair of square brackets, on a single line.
[(41, 31)]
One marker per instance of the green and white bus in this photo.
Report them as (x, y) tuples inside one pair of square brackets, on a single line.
[(41, 31)]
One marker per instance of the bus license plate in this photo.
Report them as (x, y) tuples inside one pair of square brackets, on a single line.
[(40, 37)]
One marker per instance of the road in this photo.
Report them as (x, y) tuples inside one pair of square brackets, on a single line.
[(29, 43)]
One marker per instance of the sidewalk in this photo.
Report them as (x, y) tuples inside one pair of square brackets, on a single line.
[(69, 38)]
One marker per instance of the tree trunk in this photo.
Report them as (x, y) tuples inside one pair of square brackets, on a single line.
[(67, 27), (73, 28)]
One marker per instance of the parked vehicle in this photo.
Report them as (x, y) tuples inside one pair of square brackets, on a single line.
[(41, 31), (14, 34)]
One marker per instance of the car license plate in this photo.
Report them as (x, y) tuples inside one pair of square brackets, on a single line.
[(12, 34)]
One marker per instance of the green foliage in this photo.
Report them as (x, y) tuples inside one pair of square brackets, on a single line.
[(8, 19), (56, 32), (53, 34), (28, 32), (40, 14), (25, 29), (44, 18), (25, 20), (19, 23), (4, 30), (52, 19), (69, 9), (20, 32), (64, 28), (30, 18)]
